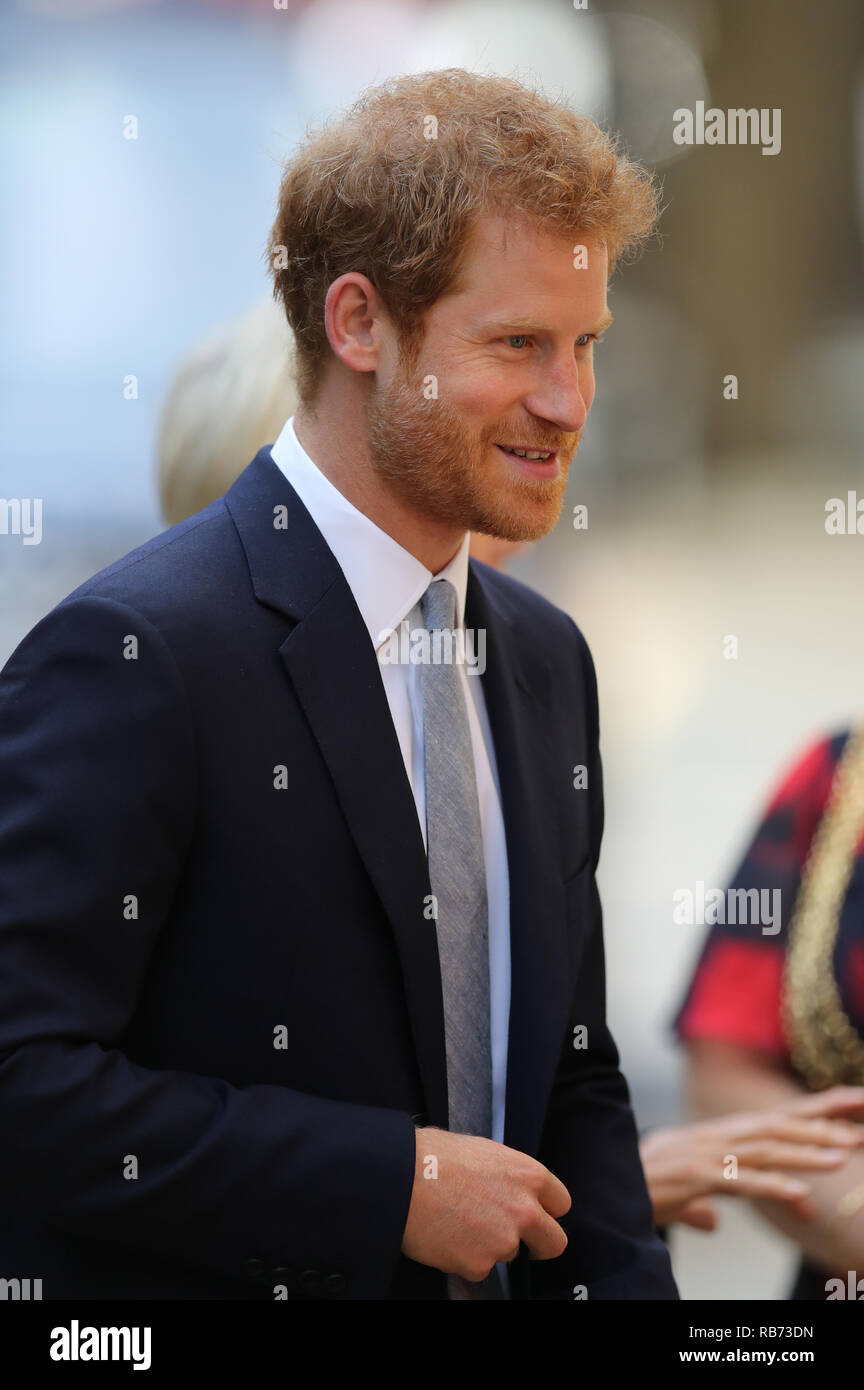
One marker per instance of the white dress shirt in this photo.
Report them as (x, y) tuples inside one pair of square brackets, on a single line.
[(387, 581)]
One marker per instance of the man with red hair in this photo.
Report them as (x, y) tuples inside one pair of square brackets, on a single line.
[(309, 991)]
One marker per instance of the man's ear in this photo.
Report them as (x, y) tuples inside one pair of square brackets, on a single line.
[(353, 314)]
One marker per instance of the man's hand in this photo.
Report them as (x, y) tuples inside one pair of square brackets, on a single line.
[(683, 1166), (476, 1202)]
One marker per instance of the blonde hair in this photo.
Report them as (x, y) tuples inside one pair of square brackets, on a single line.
[(230, 396), (393, 188)]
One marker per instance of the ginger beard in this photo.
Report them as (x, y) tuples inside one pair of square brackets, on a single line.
[(428, 458)]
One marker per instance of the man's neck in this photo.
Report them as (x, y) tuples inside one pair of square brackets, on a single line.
[(336, 443)]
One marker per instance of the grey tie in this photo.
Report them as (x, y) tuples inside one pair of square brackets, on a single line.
[(457, 876)]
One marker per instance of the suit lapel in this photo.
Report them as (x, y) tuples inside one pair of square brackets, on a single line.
[(335, 673), (514, 683), (362, 752)]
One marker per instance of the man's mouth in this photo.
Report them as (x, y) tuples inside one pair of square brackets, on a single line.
[(542, 463)]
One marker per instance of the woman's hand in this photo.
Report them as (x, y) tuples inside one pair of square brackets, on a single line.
[(686, 1165)]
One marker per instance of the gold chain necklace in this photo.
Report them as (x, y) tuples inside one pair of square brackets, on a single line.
[(825, 1046)]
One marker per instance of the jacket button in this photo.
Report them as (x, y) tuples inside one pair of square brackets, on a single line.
[(334, 1283), (253, 1269), (310, 1280)]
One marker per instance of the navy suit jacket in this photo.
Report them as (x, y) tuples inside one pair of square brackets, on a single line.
[(220, 999)]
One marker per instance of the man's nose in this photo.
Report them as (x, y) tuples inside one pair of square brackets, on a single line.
[(560, 399)]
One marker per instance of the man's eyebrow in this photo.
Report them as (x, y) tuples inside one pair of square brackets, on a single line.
[(523, 325)]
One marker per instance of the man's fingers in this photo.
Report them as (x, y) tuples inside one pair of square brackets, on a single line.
[(544, 1238), (554, 1197)]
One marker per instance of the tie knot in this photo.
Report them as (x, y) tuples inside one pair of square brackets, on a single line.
[(438, 605)]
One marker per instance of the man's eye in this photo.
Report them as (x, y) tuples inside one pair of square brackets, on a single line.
[(518, 340)]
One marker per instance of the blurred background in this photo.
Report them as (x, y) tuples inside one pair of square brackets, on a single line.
[(142, 144)]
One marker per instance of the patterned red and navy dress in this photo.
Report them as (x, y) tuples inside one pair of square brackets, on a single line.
[(736, 988)]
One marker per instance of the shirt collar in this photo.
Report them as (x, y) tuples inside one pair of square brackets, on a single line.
[(385, 579)]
